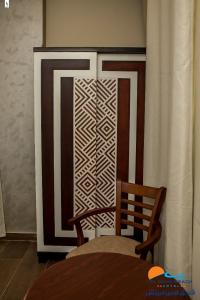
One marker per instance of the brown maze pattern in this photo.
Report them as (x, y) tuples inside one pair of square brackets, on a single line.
[(95, 135), (85, 148), (106, 148)]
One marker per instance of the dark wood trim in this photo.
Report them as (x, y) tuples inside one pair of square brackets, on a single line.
[(108, 50), (122, 65), (140, 123), (123, 134), (123, 129), (19, 237), (139, 67), (44, 6), (140, 142), (67, 159), (47, 149), (43, 257), (47, 68)]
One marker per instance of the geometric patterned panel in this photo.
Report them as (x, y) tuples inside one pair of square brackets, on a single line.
[(95, 140), (85, 148), (106, 144)]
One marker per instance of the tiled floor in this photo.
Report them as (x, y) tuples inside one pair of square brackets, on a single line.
[(19, 268)]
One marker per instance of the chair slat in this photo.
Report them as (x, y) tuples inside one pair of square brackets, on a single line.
[(139, 190), (135, 214), (136, 203), (137, 225)]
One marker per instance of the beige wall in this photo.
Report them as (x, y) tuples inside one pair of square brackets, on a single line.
[(109, 23), (20, 31)]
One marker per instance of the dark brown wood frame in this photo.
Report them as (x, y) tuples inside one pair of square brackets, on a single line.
[(67, 168), (106, 50)]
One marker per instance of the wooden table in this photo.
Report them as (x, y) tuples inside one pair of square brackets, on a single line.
[(106, 276)]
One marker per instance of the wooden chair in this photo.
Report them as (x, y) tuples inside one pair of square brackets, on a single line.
[(119, 244)]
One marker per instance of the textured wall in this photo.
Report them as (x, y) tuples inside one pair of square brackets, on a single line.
[(20, 30), (110, 23)]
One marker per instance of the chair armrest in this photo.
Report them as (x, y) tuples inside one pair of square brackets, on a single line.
[(150, 242), (89, 213), (76, 221)]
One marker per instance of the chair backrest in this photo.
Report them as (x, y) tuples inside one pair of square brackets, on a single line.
[(124, 189)]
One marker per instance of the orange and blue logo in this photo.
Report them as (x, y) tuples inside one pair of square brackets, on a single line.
[(158, 271), (168, 287)]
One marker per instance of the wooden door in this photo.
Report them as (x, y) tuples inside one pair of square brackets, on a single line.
[(57, 157), (128, 71)]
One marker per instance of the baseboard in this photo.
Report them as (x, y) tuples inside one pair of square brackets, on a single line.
[(55, 256), (19, 237)]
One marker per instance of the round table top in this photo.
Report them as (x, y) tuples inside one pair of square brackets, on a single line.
[(107, 276)]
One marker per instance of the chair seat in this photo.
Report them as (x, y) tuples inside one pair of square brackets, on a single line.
[(114, 244)]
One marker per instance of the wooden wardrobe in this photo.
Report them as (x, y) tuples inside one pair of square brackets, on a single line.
[(89, 130)]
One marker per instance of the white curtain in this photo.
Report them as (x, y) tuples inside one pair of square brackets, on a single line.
[(169, 148), (196, 219), (2, 222)]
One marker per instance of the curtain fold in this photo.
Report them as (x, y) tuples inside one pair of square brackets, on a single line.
[(196, 218), (2, 222), (172, 133), (169, 125)]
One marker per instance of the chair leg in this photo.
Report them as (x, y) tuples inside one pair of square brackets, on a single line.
[(144, 255)]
